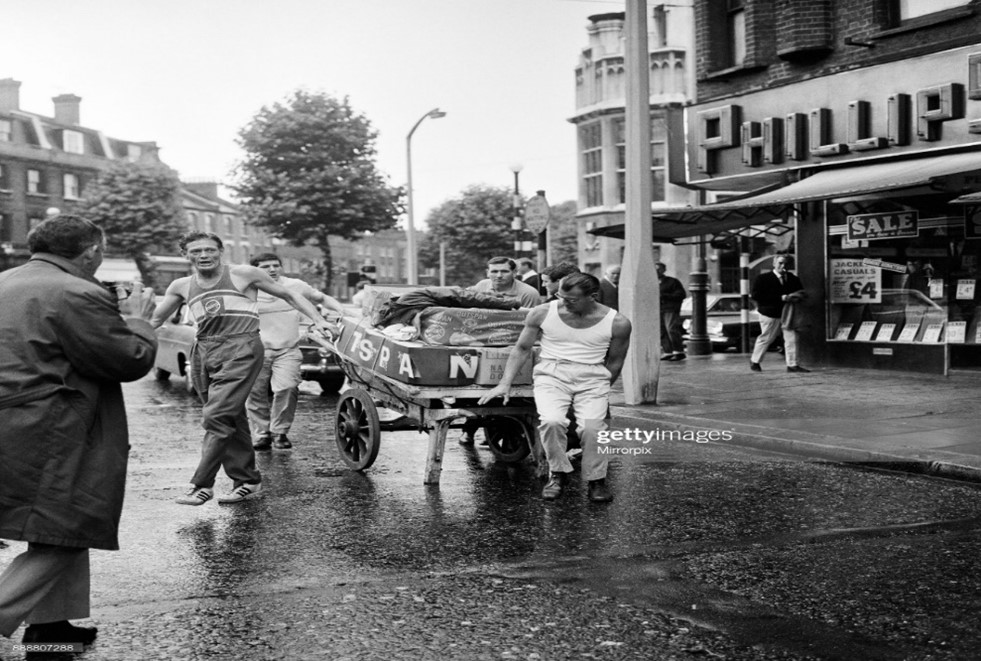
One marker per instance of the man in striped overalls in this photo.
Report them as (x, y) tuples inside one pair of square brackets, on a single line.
[(225, 360)]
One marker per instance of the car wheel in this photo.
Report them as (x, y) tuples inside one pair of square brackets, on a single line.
[(161, 374), (329, 385)]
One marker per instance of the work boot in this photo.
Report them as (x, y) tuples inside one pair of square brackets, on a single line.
[(59, 632), (263, 443), (798, 368), (553, 489), (280, 442), (755, 367), (599, 492)]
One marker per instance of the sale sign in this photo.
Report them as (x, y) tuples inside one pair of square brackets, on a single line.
[(871, 226), (853, 281)]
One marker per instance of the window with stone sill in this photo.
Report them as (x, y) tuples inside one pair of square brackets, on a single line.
[(905, 10), (72, 142), (591, 139), (4, 179), (72, 188), (6, 130), (35, 183)]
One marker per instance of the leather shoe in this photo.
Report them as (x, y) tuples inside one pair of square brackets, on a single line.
[(798, 368), (755, 367), (264, 442), (59, 632), (553, 489), (280, 442), (599, 492)]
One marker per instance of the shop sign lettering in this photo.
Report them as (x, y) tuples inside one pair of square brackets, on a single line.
[(853, 281), (871, 226)]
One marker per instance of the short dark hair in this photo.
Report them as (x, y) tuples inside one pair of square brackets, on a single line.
[(64, 235), (503, 260), (525, 261), (265, 257), (587, 284), (556, 272), (197, 236)]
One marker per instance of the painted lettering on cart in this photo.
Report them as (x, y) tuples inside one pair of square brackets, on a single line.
[(466, 364)]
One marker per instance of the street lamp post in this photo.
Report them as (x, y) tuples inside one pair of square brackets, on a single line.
[(516, 224), (410, 229)]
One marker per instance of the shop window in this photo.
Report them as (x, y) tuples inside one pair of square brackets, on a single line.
[(915, 279), (6, 130), (35, 183), (72, 188), (591, 139)]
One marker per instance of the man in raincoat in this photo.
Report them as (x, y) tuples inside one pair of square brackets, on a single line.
[(66, 343)]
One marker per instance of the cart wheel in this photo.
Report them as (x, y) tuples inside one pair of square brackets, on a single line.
[(357, 430), (508, 438)]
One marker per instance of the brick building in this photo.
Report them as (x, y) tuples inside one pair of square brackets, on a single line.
[(851, 131), (46, 162)]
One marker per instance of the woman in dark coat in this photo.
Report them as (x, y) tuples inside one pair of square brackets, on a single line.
[(65, 346)]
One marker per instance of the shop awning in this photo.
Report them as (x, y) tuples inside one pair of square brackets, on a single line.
[(972, 198), (765, 208)]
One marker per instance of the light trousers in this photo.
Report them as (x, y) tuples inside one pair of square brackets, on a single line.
[(770, 331), (280, 374), (45, 583), (559, 384)]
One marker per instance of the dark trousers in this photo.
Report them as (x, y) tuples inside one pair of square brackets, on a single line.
[(223, 370), (671, 341)]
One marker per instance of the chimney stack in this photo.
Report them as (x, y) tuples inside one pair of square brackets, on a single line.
[(66, 109), (9, 94)]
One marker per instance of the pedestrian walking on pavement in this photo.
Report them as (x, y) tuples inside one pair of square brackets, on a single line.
[(583, 348), (672, 294), (777, 294), (66, 344), (272, 403), (225, 360)]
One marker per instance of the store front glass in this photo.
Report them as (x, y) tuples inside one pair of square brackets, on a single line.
[(903, 284)]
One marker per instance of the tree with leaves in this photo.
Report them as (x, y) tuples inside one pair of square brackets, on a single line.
[(138, 206), (564, 233), (475, 227), (309, 173)]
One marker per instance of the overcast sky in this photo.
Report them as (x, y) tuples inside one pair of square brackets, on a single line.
[(189, 74)]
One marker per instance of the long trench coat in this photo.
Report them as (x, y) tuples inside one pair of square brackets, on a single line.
[(64, 443)]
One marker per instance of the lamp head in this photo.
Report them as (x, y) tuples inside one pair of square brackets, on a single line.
[(436, 113), (516, 167)]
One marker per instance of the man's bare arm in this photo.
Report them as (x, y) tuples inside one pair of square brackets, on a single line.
[(519, 354), (619, 343), (170, 302), (261, 280)]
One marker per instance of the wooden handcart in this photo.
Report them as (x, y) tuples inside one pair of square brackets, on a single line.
[(511, 430)]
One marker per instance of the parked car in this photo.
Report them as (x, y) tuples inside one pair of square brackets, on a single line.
[(723, 322), (176, 336)]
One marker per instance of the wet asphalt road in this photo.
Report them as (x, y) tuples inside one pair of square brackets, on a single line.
[(709, 552)]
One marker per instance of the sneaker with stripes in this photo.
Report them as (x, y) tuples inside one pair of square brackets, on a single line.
[(196, 496), (240, 493)]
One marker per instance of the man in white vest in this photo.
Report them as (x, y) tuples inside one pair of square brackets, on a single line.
[(583, 348)]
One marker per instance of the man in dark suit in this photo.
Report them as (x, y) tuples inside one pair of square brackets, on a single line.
[(772, 291), (610, 288), (528, 275)]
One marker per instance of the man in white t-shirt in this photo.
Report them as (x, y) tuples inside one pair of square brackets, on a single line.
[(279, 328)]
